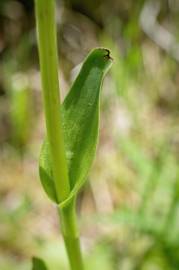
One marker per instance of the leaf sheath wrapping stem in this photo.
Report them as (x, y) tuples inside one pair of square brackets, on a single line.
[(80, 120)]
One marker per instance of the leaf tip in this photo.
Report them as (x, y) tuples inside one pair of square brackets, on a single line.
[(108, 56), (38, 264)]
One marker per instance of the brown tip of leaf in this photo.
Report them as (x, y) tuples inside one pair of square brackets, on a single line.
[(108, 55)]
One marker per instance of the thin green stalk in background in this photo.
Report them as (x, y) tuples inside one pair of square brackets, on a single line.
[(45, 16)]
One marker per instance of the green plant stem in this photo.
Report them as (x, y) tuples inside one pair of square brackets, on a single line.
[(45, 17), (71, 236)]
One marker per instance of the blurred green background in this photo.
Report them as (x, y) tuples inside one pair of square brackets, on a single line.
[(129, 210)]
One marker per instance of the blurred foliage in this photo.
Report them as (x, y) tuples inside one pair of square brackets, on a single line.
[(133, 222)]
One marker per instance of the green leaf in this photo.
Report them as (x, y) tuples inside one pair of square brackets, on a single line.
[(80, 116), (38, 264)]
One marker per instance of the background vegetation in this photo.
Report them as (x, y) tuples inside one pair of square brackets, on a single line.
[(129, 211)]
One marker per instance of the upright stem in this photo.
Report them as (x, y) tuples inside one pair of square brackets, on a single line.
[(71, 236), (45, 17)]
